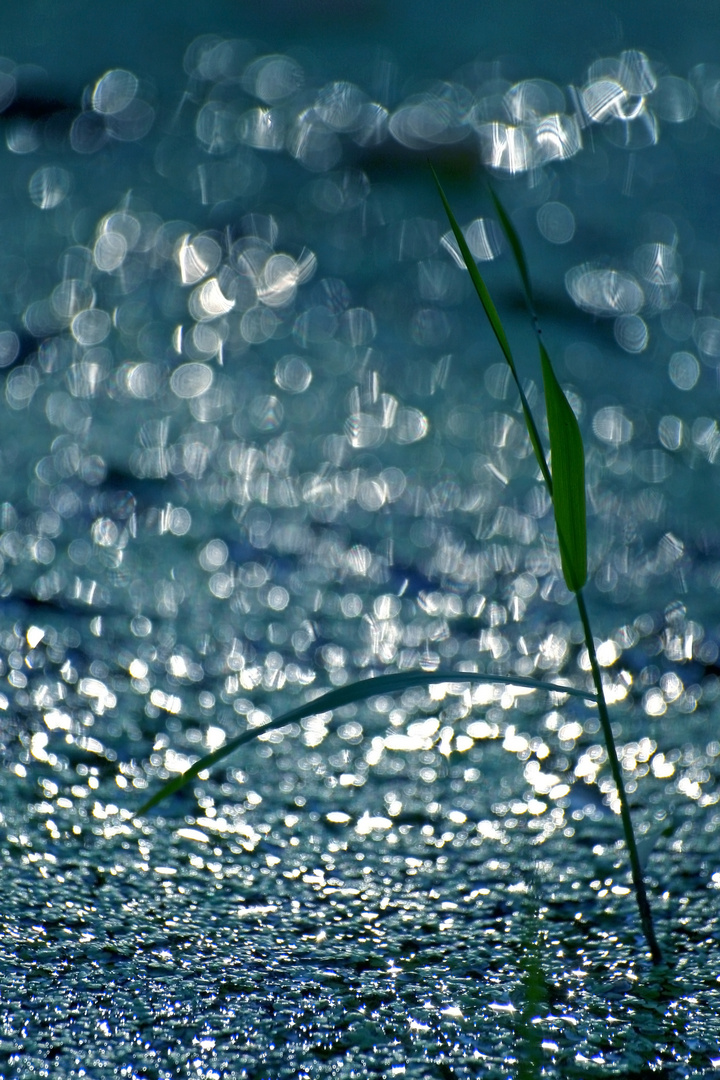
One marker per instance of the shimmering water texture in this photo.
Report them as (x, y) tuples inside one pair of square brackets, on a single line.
[(280, 936), (256, 443)]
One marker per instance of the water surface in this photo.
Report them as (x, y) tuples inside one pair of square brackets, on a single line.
[(257, 442)]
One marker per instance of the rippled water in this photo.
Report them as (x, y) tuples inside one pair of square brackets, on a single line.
[(257, 442), (302, 927)]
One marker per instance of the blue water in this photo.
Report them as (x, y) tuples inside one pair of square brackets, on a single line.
[(257, 442)]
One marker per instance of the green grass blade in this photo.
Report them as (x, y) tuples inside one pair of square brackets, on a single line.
[(497, 326), (515, 246), (568, 472), (348, 695), (568, 455), (480, 286), (567, 490)]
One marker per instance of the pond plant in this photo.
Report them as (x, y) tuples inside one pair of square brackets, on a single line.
[(565, 483), (564, 476)]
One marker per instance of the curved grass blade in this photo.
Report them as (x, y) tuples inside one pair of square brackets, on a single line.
[(516, 247), (348, 695), (568, 473), (498, 329)]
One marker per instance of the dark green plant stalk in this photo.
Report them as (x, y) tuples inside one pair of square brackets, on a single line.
[(566, 486), (641, 896)]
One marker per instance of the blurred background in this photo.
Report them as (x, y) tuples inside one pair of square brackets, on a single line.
[(257, 441), (73, 42)]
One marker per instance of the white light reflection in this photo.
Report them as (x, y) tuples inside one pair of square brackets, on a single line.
[(114, 92), (196, 258), (505, 147), (339, 105), (191, 380), (532, 99), (207, 301), (556, 222), (684, 370), (604, 291), (49, 186), (603, 99), (558, 138), (263, 129), (109, 251), (274, 77), (631, 333)]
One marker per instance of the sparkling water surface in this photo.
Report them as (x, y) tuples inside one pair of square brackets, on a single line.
[(257, 442)]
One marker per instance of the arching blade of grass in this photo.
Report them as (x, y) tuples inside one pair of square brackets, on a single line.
[(349, 695), (568, 473), (498, 330)]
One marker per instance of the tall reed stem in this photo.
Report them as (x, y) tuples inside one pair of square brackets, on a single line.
[(566, 487), (643, 903)]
